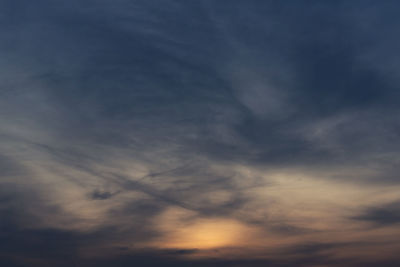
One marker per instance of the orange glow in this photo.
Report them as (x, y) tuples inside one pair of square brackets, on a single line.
[(206, 234), (184, 231)]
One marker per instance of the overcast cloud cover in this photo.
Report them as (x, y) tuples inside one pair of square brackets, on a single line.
[(199, 133)]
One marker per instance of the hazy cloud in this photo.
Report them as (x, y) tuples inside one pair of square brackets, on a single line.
[(144, 130)]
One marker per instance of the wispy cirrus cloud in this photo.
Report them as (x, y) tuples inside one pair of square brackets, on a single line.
[(183, 131)]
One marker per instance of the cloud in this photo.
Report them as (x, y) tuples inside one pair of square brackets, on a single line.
[(383, 215), (278, 118)]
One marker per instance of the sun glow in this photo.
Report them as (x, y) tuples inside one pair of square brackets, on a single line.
[(207, 234), (181, 231)]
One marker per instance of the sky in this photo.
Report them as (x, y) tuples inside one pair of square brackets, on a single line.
[(199, 133)]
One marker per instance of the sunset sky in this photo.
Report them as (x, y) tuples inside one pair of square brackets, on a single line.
[(199, 133)]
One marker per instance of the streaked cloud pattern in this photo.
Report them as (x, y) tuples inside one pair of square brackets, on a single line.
[(199, 133)]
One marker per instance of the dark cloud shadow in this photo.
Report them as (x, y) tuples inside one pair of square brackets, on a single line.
[(384, 215)]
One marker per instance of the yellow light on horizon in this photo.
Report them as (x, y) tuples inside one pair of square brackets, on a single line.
[(207, 234), (182, 231)]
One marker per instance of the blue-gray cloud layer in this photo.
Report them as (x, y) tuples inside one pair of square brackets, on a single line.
[(103, 99)]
